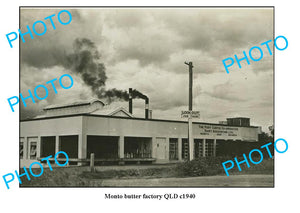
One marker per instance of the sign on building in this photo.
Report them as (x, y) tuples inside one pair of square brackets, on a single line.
[(187, 114)]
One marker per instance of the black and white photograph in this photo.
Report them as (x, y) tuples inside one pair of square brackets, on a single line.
[(149, 106), (146, 96)]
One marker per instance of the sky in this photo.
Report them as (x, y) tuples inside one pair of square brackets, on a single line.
[(145, 49)]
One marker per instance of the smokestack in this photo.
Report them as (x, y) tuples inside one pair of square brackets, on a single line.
[(146, 107), (136, 94), (130, 100)]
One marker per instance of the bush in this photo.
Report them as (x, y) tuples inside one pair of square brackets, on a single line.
[(202, 167), (213, 166)]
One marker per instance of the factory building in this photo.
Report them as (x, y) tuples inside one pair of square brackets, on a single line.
[(114, 135)]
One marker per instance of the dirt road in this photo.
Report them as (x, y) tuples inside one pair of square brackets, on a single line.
[(208, 181)]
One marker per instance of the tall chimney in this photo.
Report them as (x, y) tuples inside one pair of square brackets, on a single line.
[(130, 100), (146, 107)]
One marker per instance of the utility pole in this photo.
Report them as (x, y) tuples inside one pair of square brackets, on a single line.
[(190, 125)]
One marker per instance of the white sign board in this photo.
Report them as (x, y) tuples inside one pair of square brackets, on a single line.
[(188, 114)]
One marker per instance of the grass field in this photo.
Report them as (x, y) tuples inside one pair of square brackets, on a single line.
[(154, 174)]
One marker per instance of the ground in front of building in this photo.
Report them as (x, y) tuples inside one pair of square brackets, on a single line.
[(207, 181), (166, 175)]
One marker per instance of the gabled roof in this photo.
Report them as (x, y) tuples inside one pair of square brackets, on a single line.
[(106, 110), (111, 111)]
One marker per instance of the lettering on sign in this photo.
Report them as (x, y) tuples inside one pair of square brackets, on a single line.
[(218, 130), (188, 114)]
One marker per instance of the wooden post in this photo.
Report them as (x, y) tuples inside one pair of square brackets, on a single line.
[(190, 64), (92, 162), (190, 122), (191, 139)]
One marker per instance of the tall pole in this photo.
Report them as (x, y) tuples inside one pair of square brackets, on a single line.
[(190, 122), (191, 86)]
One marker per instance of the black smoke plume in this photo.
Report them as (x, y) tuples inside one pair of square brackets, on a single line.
[(137, 94), (112, 94), (85, 60)]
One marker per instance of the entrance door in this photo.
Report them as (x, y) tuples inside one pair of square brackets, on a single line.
[(161, 147)]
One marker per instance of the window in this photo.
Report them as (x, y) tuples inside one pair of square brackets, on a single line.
[(198, 153), (173, 149), (21, 148), (209, 147), (185, 148), (32, 150)]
